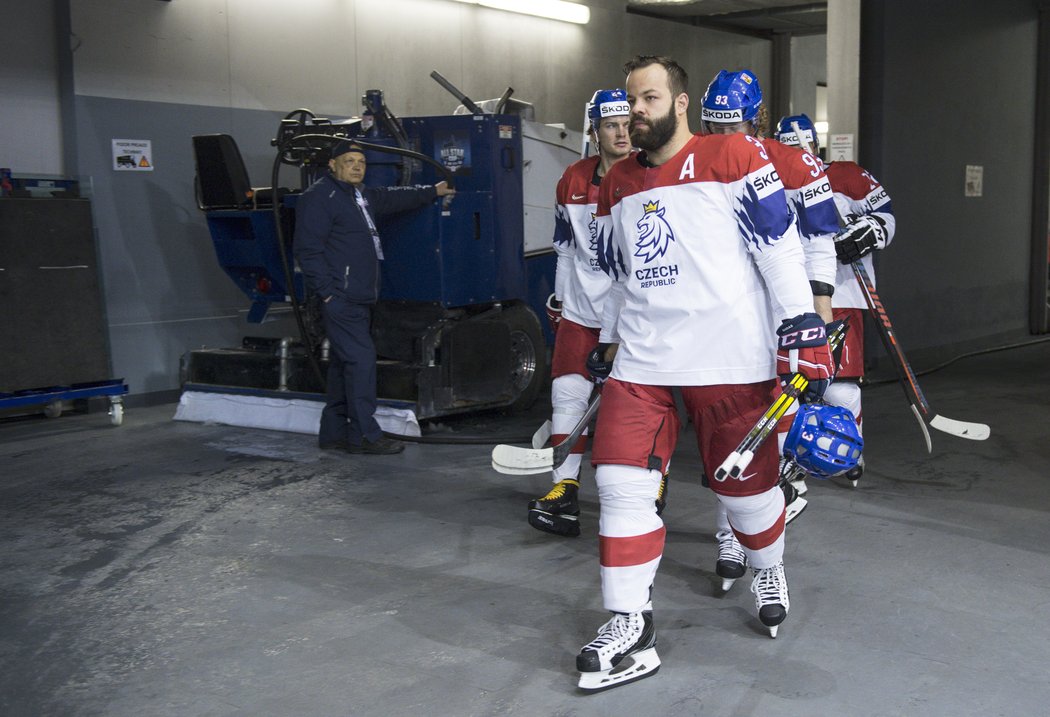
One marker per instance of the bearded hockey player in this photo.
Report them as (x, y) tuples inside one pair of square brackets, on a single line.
[(575, 307), (868, 215), (709, 294)]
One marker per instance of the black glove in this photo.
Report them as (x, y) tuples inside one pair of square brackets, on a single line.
[(597, 366), (859, 237)]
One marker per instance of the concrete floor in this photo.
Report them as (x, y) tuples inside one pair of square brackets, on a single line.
[(167, 568)]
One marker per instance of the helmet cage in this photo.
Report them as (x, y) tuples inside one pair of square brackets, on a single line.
[(824, 440)]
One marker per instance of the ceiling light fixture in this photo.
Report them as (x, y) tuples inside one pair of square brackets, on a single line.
[(553, 9)]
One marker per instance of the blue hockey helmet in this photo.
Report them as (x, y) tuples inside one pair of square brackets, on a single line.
[(786, 132), (824, 440), (731, 97), (607, 103)]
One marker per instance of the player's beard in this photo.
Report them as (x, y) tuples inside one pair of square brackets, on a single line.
[(656, 133)]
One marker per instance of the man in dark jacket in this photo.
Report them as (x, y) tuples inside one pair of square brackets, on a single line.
[(338, 249)]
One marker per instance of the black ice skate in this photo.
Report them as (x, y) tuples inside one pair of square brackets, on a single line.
[(771, 596), (558, 511), (794, 503), (624, 651), (732, 563), (793, 473)]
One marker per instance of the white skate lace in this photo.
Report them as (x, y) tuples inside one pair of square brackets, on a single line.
[(619, 633), (729, 548), (790, 470), (770, 586)]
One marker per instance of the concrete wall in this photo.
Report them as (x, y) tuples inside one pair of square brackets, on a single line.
[(30, 115), (163, 71), (146, 69), (951, 86), (809, 66)]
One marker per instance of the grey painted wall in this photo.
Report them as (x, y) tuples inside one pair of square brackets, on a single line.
[(165, 71), (956, 88), (164, 290), (809, 66), (30, 141)]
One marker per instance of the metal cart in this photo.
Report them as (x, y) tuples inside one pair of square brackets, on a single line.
[(51, 398)]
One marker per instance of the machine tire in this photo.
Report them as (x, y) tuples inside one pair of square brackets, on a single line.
[(116, 413), (531, 365), (53, 409)]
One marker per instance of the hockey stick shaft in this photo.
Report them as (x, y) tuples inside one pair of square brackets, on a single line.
[(919, 405), (916, 399), (564, 448), (909, 382), (739, 459)]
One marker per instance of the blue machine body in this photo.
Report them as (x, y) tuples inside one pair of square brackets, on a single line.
[(248, 251), (457, 325), (466, 254), (472, 253)]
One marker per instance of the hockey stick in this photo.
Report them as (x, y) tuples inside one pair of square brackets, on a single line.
[(739, 459), (512, 460), (919, 405), (542, 435)]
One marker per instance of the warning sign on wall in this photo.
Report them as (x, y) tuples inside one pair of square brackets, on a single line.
[(132, 155)]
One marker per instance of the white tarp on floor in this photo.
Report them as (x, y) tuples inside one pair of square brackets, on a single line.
[(295, 415)]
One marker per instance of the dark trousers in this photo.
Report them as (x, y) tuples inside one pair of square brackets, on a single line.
[(349, 412)]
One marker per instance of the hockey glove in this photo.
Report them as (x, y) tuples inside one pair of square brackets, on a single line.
[(859, 237), (597, 366), (803, 348), (553, 312)]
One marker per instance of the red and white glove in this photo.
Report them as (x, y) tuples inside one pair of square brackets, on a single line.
[(803, 348), (553, 312)]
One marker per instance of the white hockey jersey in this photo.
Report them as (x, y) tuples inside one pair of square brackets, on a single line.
[(579, 282), (857, 192), (809, 195), (706, 262)]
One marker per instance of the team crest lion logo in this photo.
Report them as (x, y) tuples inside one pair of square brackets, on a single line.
[(655, 233)]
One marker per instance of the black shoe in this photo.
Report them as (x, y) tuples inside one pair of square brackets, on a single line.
[(382, 447)]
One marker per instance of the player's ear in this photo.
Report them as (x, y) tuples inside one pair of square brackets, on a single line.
[(681, 103)]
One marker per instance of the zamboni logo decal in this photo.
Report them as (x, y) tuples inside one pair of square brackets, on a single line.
[(655, 234)]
